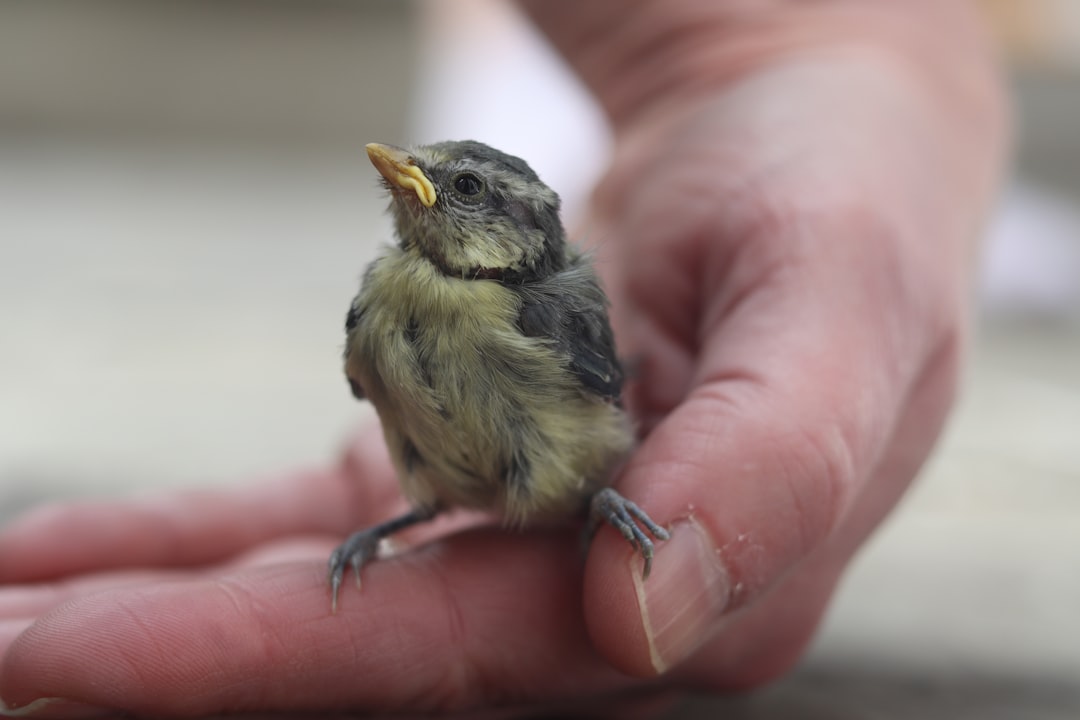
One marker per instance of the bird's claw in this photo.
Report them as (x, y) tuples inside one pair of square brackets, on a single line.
[(626, 517), (356, 551)]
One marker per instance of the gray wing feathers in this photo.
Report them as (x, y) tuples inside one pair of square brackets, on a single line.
[(570, 309)]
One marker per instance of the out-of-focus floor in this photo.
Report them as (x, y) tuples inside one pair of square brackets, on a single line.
[(171, 312)]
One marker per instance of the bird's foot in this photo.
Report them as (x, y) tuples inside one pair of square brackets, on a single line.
[(359, 549), (609, 506)]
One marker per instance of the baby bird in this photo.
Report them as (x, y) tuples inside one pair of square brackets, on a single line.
[(483, 341)]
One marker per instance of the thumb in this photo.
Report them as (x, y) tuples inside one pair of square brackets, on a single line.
[(795, 390)]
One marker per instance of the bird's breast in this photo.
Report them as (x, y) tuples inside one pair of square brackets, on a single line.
[(475, 413)]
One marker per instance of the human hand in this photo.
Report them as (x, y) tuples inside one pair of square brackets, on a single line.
[(789, 246), (791, 235)]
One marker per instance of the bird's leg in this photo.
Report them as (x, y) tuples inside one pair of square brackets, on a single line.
[(360, 547), (609, 506)]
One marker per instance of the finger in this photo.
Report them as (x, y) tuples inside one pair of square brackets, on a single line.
[(483, 618), (771, 634), (34, 600), (800, 380), (193, 528), (11, 628)]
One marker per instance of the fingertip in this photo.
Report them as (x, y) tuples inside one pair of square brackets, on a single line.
[(35, 546), (162, 647), (647, 626), (612, 612), (10, 629)]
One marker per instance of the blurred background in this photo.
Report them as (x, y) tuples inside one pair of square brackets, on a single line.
[(186, 207)]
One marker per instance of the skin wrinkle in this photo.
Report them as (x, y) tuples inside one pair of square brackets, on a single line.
[(734, 389), (273, 647), (462, 684), (749, 292), (827, 457), (202, 692), (468, 680), (680, 463), (356, 645), (680, 328), (650, 397), (301, 665), (308, 666), (819, 444), (878, 501), (401, 639), (738, 550), (897, 344), (136, 668), (677, 327), (769, 227), (648, 386), (715, 272), (822, 484), (394, 643), (465, 681)]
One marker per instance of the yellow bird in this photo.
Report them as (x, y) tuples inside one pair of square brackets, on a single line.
[(483, 341)]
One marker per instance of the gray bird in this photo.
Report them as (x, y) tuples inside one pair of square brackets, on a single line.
[(483, 341)]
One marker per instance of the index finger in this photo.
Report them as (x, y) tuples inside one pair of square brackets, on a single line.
[(198, 527), (483, 618)]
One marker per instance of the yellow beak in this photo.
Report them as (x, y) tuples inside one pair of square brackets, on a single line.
[(399, 168)]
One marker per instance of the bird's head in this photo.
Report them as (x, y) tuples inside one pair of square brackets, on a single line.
[(473, 211)]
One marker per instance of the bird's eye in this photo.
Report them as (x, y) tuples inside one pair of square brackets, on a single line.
[(468, 184)]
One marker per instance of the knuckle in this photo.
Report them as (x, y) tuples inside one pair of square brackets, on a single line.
[(822, 480)]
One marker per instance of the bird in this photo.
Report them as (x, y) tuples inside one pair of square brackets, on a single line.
[(482, 339)]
